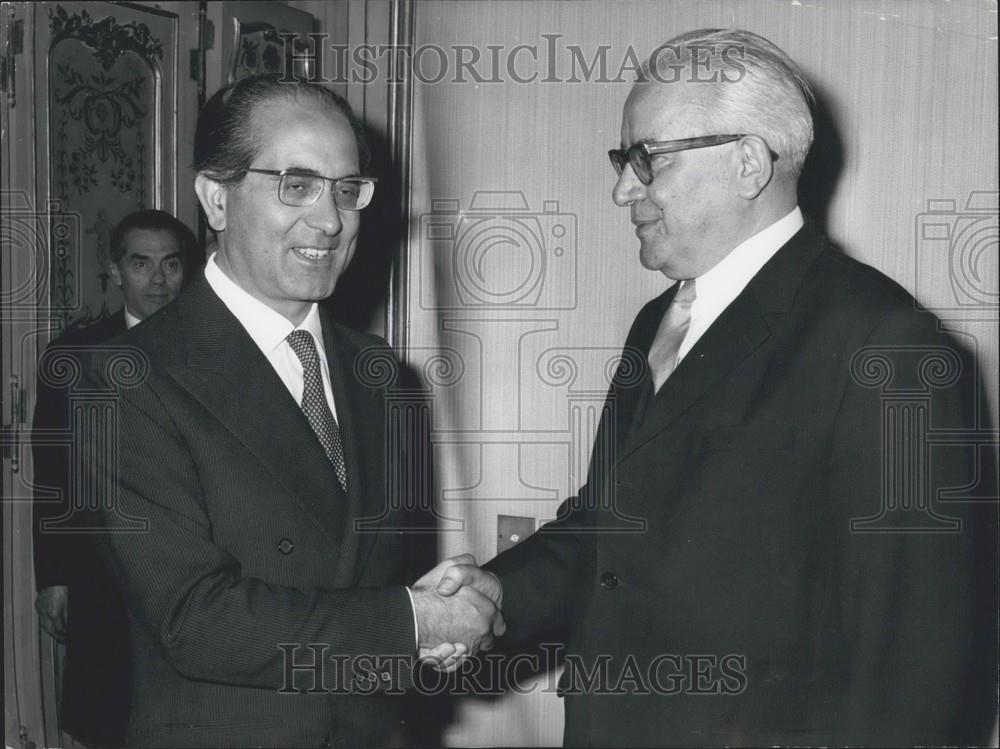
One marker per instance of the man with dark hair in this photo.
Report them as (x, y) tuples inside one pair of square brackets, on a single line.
[(766, 552), (150, 252), (77, 602), (266, 590)]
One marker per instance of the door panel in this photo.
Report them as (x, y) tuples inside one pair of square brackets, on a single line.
[(90, 131), (106, 90)]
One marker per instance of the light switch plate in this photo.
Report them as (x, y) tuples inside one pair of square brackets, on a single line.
[(511, 530)]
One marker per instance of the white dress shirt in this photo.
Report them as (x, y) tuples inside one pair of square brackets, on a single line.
[(719, 286), (269, 330)]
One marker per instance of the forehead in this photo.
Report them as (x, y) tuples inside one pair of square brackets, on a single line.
[(296, 132), (150, 242), (660, 111)]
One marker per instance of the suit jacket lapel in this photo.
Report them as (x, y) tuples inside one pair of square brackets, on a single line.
[(117, 324), (742, 328), (360, 417), (229, 375), (733, 337)]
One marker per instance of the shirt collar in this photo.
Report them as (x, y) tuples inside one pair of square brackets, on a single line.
[(720, 285), (267, 328), (130, 320)]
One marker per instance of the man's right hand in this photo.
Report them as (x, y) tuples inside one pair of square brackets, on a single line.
[(468, 619), (52, 605)]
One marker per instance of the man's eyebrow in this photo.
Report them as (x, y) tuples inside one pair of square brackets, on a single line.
[(302, 170), (309, 171), (140, 256)]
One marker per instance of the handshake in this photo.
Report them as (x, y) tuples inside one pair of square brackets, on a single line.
[(457, 607)]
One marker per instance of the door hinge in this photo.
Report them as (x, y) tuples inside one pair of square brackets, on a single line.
[(10, 434), (13, 44), (206, 41)]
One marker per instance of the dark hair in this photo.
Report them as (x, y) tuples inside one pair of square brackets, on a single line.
[(226, 143), (154, 220)]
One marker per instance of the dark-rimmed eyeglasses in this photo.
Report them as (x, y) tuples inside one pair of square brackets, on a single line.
[(640, 155), (299, 189)]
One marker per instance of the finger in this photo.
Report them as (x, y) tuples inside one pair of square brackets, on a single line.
[(499, 625), (464, 558), (449, 667), (456, 577), (438, 653), (47, 626), (51, 628), (486, 643)]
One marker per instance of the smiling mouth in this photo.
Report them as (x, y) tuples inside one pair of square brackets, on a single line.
[(313, 253)]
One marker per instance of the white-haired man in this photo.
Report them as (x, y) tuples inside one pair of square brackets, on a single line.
[(745, 568)]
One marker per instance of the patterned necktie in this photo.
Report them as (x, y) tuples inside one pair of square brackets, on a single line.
[(670, 335), (314, 404)]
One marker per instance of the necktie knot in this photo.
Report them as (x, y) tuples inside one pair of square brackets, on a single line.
[(670, 335), (686, 294), (304, 347)]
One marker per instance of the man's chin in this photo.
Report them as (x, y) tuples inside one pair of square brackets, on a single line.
[(648, 257)]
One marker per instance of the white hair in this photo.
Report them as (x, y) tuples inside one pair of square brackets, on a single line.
[(746, 85)]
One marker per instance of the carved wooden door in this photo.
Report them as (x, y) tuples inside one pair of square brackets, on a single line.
[(105, 111), (93, 94)]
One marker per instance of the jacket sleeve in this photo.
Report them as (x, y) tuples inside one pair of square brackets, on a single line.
[(916, 573), (546, 577), (56, 550)]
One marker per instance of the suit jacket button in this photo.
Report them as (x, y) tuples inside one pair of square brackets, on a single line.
[(285, 546), (609, 581)]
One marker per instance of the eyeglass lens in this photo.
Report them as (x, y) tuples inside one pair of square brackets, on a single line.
[(303, 190), (636, 156)]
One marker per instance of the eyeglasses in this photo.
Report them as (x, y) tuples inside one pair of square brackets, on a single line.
[(299, 190), (639, 155)]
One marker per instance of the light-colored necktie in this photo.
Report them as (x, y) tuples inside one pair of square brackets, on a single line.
[(670, 335), (314, 404)]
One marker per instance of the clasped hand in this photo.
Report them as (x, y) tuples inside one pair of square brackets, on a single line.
[(458, 611)]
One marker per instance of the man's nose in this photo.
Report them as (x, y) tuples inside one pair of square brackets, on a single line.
[(325, 216), (159, 277), (628, 189)]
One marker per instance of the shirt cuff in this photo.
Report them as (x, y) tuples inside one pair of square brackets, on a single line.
[(416, 630)]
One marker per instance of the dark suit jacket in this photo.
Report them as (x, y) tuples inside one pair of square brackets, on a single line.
[(237, 548), (747, 611), (97, 672)]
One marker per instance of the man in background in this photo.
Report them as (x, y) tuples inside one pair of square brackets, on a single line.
[(762, 554), (76, 601)]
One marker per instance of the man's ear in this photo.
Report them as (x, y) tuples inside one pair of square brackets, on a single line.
[(116, 274), (756, 166), (212, 196)]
